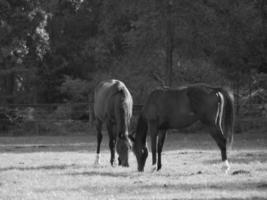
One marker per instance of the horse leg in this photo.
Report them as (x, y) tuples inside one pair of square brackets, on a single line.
[(161, 139), (99, 140), (112, 142), (152, 128), (219, 138)]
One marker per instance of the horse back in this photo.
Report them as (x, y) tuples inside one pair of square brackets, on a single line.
[(169, 107), (180, 107), (202, 98), (107, 95)]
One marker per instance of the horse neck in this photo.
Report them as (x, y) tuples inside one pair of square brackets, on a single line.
[(141, 131)]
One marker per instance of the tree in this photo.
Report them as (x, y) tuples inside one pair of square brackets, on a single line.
[(143, 43), (24, 41)]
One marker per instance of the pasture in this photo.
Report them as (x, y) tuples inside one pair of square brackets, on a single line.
[(47, 168)]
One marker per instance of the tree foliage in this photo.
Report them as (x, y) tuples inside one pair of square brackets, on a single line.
[(55, 50)]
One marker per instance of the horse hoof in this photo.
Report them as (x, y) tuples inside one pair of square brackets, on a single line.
[(96, 165), (154, 168), (113, 164), (226, 170), (226, 167), (97, 160)]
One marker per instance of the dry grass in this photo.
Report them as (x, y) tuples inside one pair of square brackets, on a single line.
[(62, 168)]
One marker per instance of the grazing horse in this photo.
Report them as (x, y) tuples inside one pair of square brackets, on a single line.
[(178, 108), (113, 105)]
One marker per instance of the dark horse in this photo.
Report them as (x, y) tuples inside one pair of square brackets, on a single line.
[(177, 108), (113, 104)]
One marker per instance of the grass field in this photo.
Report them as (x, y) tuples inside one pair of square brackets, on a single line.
[(46, 168)]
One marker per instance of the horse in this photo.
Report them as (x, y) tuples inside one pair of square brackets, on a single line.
[(113, 105), (168, 108)]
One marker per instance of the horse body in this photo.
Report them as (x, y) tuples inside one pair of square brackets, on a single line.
[(113, 105), (178, 108), (169, 108)]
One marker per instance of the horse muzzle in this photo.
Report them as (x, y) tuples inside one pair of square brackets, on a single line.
[(123, 164)]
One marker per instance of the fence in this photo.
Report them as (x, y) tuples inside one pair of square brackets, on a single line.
[(77, 118), (252, 116)]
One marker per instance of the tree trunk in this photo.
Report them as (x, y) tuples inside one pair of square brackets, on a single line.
[(263, 33), (169, 44), (165, 10), (250, 90), (238, 126), (10, 87)]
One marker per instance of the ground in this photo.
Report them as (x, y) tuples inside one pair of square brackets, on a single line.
[(47, 168)]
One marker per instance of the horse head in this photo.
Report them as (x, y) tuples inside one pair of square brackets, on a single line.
[(140, 151), (141, 156), (123, 146)]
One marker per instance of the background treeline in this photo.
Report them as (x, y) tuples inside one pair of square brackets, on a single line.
[(55, 51)]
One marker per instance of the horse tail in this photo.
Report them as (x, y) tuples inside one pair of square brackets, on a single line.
[(127, 103), (127, 97), (124, 109), (228, 117)]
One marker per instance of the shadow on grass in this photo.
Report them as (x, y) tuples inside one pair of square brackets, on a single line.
[(212, 186), (45, 167), (99, 173), (243, 158), (47, 148), (145, 189)]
